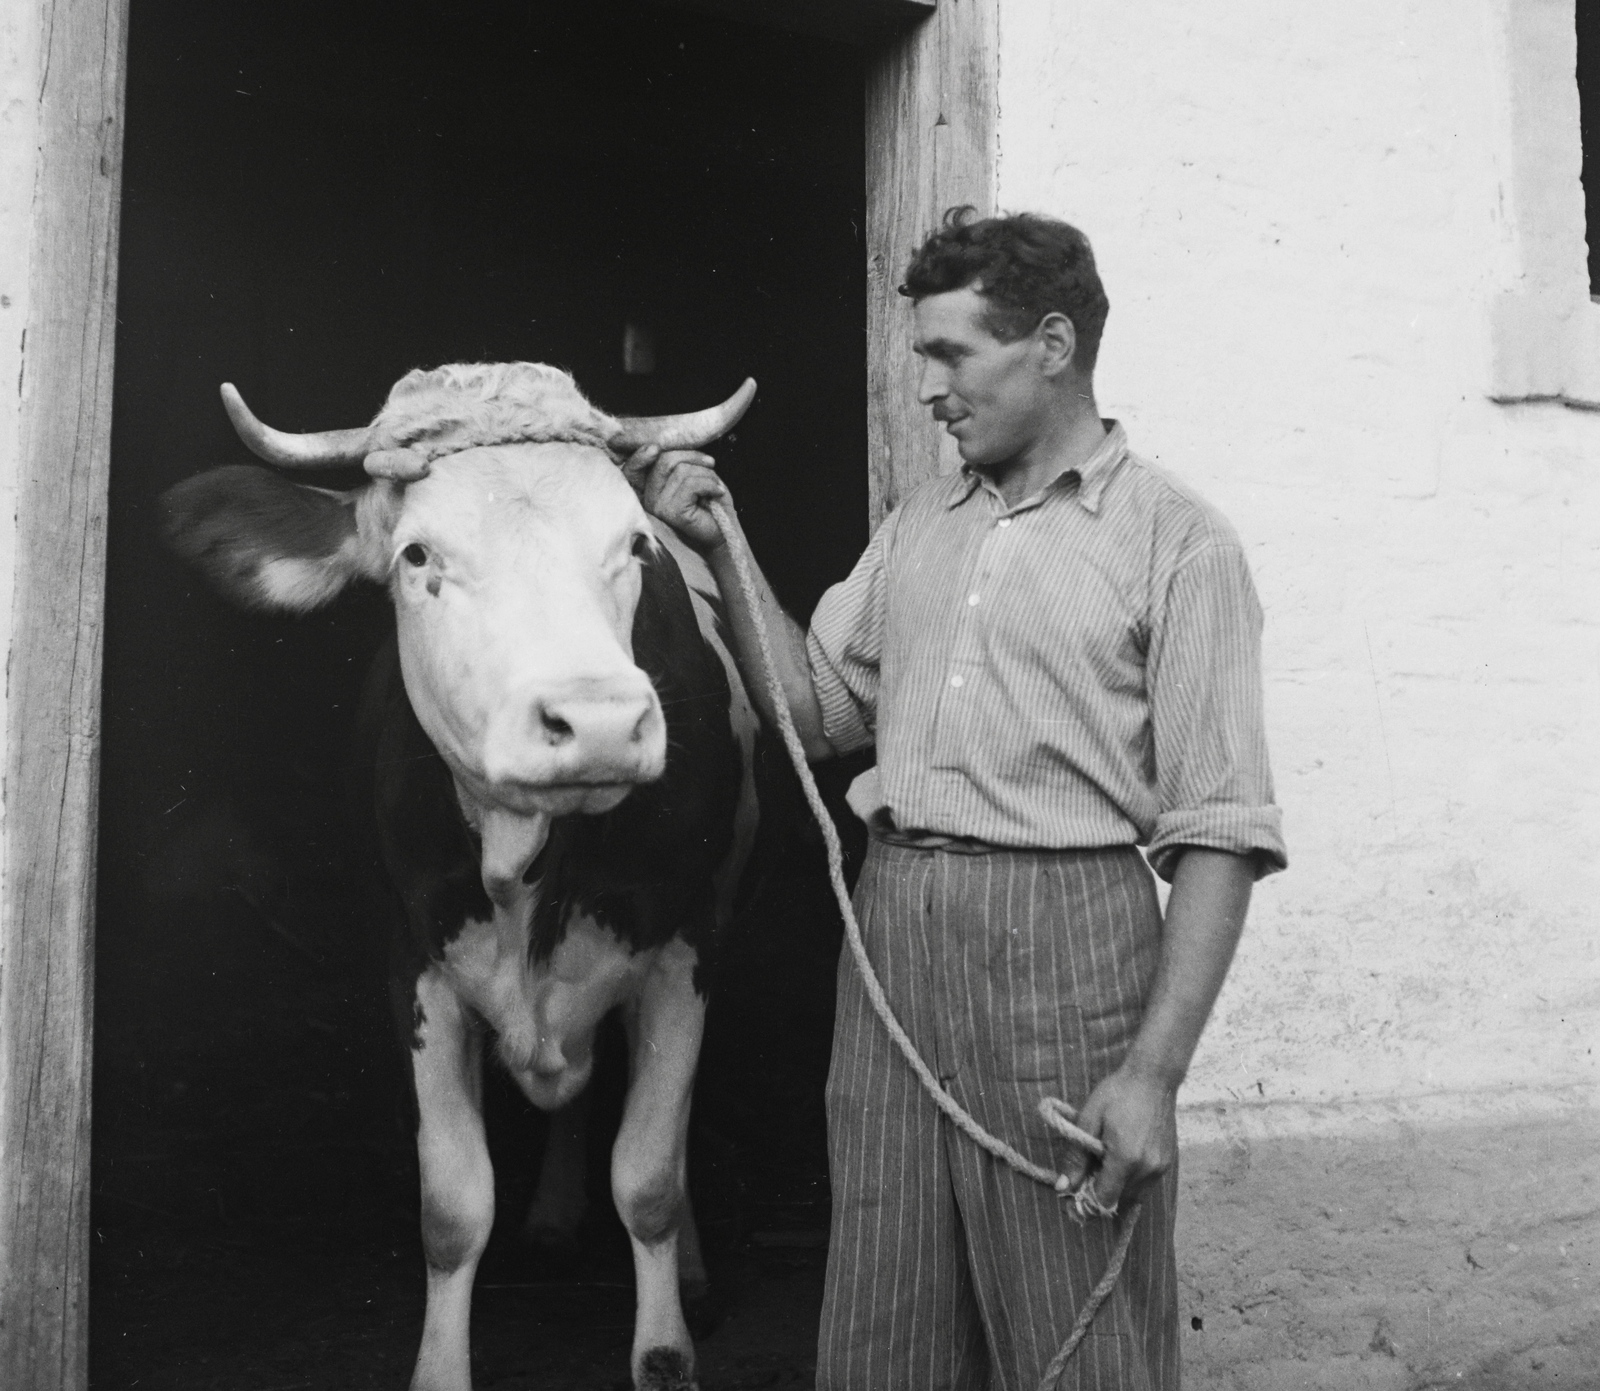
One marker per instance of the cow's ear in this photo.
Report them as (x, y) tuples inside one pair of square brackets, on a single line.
[(267, 543)]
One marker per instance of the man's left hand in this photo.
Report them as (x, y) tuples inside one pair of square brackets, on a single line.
[(1135, 1115), (679, 486)]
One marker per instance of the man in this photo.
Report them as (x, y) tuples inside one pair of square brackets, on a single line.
[(1056, 654)]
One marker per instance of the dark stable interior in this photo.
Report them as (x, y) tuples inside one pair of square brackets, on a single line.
[(318, 197)]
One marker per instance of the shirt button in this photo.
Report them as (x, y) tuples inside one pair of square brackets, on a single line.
[(972, 600), (1005, 521), (956, 680)]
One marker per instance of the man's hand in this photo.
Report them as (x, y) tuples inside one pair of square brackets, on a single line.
[(1135, 1115), (678, 486), (1134, 1110)]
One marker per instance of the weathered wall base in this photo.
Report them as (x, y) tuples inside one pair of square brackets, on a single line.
[(1392, 1253)]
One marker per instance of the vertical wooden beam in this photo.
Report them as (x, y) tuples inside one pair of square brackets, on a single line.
[(64, 83), (932, 126)]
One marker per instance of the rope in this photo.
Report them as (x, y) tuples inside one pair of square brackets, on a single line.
[(1055, 1112)]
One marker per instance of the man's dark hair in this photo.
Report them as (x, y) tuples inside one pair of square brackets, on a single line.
[(1024, 265)]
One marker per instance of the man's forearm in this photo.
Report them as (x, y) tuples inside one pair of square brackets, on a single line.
[(1205, 915), (788, 644)]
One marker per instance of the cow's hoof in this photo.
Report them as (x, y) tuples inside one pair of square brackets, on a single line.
[(666, 1369)]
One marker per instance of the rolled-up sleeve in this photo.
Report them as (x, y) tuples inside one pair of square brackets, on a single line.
[(1213, 779), (845, 648)]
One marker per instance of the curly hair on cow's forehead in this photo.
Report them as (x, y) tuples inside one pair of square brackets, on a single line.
[(1025, 265), (441, 410)]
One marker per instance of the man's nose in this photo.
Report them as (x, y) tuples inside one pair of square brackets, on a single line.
[(933, 385)]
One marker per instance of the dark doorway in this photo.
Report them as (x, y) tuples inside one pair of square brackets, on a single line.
[(319, 197)]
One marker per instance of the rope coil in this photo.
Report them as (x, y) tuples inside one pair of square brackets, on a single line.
[(1054, 1111)]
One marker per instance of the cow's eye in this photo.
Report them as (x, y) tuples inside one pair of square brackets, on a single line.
[(415, 554), (641, 546)]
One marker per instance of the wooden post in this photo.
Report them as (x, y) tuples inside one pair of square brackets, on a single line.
[(932, 117), (61, 85)]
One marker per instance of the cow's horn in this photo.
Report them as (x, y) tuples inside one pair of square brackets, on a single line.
[(320, 449), (683, 431)]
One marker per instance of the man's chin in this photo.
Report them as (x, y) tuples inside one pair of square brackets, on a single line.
[(968, 447)]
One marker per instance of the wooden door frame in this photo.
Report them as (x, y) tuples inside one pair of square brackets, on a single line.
[(931, 127), (67, 70), (933, 106)]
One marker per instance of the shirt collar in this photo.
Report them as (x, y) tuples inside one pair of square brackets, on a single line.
[(1091, 476)]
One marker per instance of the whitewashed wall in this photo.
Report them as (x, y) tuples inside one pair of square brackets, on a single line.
[(1306, 215), (1298, 210)]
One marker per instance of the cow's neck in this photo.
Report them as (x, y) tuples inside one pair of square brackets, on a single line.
[(511, 843), (543, 1014)]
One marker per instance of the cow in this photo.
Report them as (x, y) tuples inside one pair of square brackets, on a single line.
[(562, 775)]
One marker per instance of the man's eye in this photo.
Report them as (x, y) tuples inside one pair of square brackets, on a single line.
[(415, 554)]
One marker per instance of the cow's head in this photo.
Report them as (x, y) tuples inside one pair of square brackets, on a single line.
[(512, 547)]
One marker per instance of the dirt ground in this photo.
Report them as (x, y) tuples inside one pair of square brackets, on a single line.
[(289, 1308), (1406, 1256), (254, 1196)]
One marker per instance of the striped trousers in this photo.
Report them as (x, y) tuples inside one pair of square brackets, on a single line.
[(1017, 974)]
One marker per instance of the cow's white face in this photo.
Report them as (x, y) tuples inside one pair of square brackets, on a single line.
[(515, 572)]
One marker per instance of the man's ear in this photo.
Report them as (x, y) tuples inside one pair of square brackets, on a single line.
[(267, 543), (1059, 343)]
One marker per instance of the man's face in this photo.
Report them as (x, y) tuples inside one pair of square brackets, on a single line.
[(991, 396)]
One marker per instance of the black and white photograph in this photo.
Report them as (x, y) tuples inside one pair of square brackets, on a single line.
[(872, 695)]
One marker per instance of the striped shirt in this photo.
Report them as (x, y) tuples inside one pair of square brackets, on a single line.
[(1082, 669)]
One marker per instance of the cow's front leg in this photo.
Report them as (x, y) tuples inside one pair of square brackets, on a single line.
[(648, 1167), (457, 1181)]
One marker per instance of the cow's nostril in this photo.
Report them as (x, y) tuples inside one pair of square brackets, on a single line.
[(556, 729)]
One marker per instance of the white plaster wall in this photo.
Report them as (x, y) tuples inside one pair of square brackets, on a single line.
[(1301, 212)]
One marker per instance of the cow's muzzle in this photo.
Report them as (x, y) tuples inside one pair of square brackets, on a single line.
[(574, 740)]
